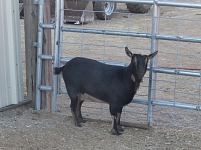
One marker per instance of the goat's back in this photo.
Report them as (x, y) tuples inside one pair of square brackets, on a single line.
[(97, 79)]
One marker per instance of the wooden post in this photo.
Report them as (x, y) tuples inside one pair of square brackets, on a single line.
[(31, 30), (47, 65)]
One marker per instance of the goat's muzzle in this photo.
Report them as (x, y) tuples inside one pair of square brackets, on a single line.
[(140, 76)]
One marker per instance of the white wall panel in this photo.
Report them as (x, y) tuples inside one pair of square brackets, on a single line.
[(11, 83)]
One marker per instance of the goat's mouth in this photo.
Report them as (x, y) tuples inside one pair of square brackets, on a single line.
[(140, 76)]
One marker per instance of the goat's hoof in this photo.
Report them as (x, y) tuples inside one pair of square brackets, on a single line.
[(82, 120), (115, 132), (78, 125), (120, 128)]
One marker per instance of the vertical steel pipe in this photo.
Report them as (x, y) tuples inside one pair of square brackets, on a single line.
[(61, 41), (199, 99), (56, 53), (39, 53), (153, 62)]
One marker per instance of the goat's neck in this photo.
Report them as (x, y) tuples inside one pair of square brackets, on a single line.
[(132, 73), (136, 81)]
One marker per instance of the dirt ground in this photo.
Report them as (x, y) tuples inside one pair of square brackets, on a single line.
[(22, 128)]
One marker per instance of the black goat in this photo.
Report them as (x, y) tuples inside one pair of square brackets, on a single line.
[(115, 85)]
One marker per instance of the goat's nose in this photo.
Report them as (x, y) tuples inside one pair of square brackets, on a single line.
[(140, 75)]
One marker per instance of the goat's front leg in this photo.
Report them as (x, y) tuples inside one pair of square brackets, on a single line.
[(116, 114), (119, 127)]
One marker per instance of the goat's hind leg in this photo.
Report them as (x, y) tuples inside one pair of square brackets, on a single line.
[(73, 94), (79, 114)]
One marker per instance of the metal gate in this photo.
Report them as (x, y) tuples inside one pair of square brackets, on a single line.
[(152, 98)]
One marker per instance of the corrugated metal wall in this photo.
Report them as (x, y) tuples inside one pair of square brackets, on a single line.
[(11, 83)]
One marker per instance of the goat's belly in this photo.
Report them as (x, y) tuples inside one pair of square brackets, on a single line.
[(87, 97)]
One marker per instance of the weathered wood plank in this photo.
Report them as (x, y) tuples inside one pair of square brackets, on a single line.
[(31, 28), (47, 65)]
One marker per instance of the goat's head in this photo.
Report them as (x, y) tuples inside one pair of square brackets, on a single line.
[(139, 63)]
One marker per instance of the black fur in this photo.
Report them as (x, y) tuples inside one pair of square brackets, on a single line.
[(111, 84)]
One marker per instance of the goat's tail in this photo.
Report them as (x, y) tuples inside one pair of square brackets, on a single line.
[(58, 70)]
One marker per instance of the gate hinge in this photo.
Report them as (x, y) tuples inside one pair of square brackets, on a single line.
[(38, 2), (35, 44)]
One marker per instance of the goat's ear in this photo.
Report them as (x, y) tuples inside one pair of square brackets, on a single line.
[(128, 52), (152, 55)]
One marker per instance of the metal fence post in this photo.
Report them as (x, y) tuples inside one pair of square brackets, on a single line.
[(153, 62), (61, 40), (56, 53), (39, 53)]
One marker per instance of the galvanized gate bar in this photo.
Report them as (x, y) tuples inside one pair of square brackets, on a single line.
[(106, 32), (48, 26), (153, 62), (178, 72), (177, 105), (168, 104), (179, 4), (179, 38), (45, 88), (132, 34), (56, 52), (159, 3), (125, 1), (61, 40), (160, 103), (155, 69), (39, 53), (46, 57)]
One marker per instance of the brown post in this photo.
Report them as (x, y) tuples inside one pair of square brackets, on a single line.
[(47, 65), (31, 28)]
